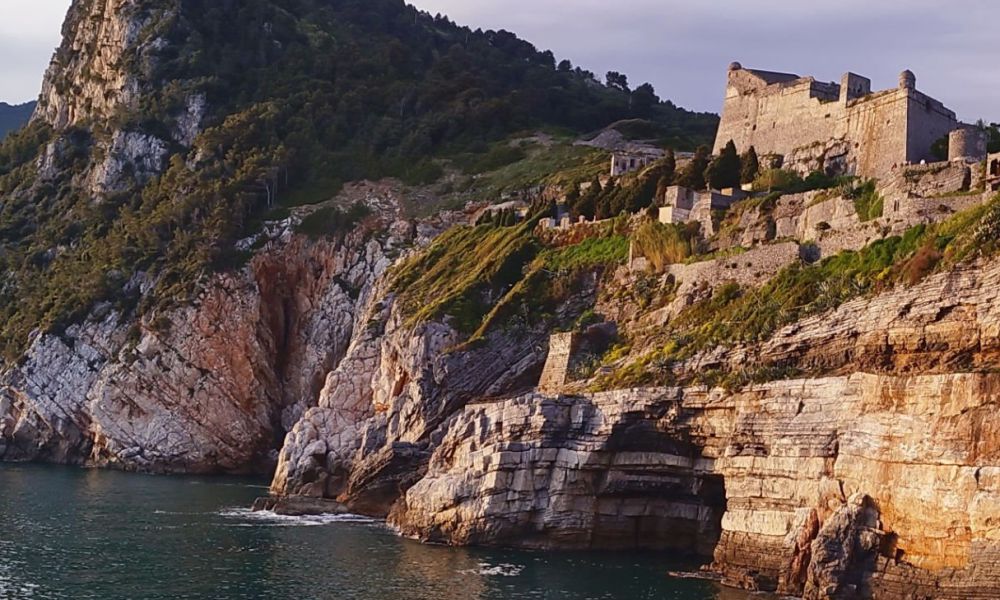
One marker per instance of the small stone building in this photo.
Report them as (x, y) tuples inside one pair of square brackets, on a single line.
[(684, 205), (628, 161), (993, 172)]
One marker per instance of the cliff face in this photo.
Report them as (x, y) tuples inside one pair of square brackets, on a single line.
[(104, 61), (874, 473), (872, 481), (209, 386)]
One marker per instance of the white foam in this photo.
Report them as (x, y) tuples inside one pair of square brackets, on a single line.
[(273, 519), (500, 570)]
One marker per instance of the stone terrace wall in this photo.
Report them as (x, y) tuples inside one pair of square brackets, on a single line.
[(750, 268)]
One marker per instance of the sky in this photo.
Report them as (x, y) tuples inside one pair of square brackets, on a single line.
[(682, 47)]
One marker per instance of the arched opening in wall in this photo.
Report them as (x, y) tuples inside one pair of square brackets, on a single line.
[(995, 168)]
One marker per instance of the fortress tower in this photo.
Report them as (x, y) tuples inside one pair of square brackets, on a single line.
[(785, 114)]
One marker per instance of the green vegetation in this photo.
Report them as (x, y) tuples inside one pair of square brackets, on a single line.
[(668, 135), (725, 170), (663, 244), (749, 166), (693, 175), (867, 201), (464, 272), (737, 315), (560, 164), (331, 220), (480, 277), (624, 195), (301, 96), (590, 253), (14, 117)]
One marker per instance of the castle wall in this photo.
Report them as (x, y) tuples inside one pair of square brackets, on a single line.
[(883, 131), (928, 122), (779, 119), (875, 127)]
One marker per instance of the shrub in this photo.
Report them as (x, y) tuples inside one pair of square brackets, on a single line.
[(331, 220), (665, 244), (777, 180), (867, 201)]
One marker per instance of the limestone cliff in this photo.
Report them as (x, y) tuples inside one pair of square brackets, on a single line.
[(873, 483), (208, 386), (860, 460)]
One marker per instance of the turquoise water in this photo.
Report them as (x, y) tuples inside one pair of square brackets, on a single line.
[(74, 534)]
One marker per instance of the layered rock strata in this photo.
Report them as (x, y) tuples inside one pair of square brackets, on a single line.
[(210, 386), (871, 479)]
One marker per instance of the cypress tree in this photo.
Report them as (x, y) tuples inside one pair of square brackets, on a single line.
[(724, 170), (693, 175), (751, 166)]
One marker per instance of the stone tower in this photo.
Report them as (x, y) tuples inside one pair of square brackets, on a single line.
[(967, 143), (556, 372), (907, 80)]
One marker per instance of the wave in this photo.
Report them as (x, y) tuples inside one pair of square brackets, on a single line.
[(270, 518)]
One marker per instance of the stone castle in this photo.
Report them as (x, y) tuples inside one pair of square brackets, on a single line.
[(843, 128)]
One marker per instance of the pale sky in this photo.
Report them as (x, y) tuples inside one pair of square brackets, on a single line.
[(681, 46)]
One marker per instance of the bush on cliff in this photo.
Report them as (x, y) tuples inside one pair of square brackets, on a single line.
[(735, 315)]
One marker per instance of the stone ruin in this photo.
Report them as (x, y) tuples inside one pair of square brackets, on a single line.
[(556, 373), (635, 159)]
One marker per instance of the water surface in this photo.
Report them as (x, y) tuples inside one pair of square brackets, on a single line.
[(76, 534)]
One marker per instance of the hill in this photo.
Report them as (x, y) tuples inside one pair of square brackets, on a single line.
[(166, 147), (14, 117)]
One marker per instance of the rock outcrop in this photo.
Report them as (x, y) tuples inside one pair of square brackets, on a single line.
[(209, 386), (104, 61), (873, 479)]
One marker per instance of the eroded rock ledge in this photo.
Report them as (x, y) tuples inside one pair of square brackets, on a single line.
[(877, 479), (842, 487)]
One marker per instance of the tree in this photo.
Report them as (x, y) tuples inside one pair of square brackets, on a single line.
[(668, 173), (693, 175), (617, 80), (565, 66), (572, 194), (644, 99), (725, 170), (603, 204), (586, 205), (751, 166)]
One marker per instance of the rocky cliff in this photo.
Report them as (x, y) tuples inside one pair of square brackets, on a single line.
[(205, 387), (845, 447), (871, 481)]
